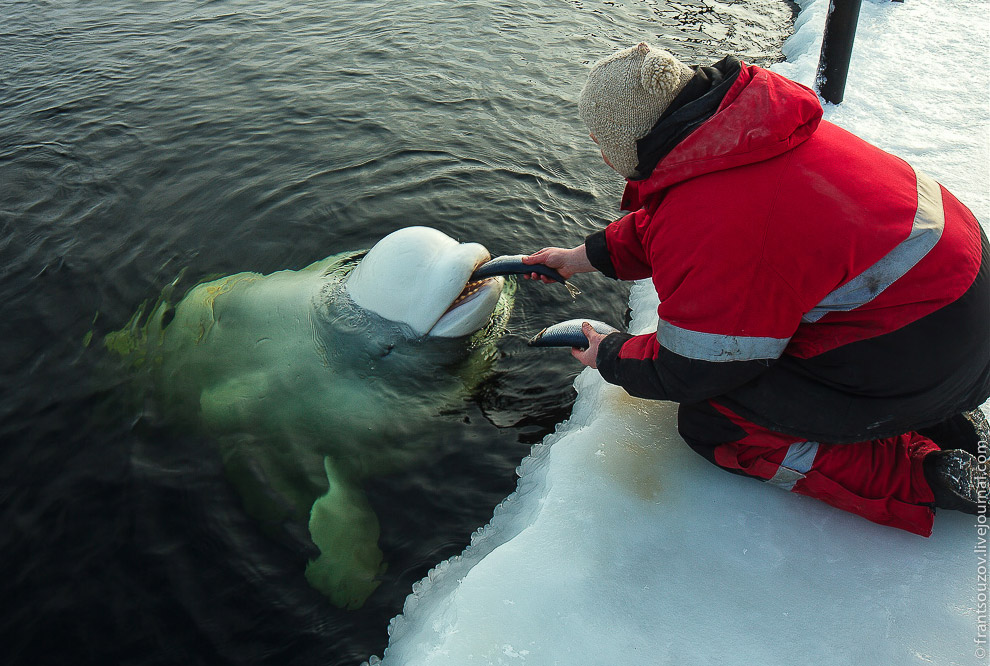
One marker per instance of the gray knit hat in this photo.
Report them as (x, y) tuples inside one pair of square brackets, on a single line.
[(625, 96)]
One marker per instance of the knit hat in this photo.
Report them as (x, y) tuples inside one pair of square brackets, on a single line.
[(625, 96)]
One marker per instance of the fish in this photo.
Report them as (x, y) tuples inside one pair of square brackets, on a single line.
[(512, 264), (568, 334)]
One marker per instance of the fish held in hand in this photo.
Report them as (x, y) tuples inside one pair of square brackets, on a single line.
[(513, 265), (569, 334)]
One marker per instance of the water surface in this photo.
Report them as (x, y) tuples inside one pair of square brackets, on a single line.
[(147, 140)]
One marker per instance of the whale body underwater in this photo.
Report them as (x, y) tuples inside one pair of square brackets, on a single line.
[(314, 380)]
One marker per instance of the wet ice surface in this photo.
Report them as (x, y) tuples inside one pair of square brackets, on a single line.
[(622, 545)]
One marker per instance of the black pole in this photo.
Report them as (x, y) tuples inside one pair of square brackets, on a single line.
[(837, 46)]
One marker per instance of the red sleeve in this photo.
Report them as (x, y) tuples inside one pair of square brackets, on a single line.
[(624, 239)]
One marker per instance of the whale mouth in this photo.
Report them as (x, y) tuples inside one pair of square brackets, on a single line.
[(470, 290), (470, 310), (471, 287)]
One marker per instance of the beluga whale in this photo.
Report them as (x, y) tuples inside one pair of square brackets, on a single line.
[(315, 380)]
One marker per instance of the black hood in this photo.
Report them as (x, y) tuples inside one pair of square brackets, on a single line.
[(694, 105)]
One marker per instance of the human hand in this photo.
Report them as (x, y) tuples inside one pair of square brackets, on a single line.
[(589, 356), (564, 261)]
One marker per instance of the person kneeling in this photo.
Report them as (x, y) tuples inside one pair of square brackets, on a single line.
[(824, 317)]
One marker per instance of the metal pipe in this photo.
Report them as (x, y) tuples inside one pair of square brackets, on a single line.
[(837, 46)]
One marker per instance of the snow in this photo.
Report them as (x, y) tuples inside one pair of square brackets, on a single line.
[(621, 545), (918, 86)]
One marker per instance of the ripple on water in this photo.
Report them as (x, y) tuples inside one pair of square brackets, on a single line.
[(147, 141)]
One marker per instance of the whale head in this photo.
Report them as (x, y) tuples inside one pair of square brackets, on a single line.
[(420, 277)]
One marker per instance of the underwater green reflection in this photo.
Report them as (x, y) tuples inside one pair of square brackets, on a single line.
[(307, 395)]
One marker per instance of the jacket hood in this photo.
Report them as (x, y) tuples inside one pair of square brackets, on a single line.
[(761, 116)]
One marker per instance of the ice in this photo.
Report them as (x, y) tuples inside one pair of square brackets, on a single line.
[(620, 545)]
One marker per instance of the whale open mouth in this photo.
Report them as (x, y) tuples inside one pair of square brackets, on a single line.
[(470, 290), (471, 309)]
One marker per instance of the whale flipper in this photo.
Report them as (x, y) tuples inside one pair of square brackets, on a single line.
[(277, 485), (345, 529)]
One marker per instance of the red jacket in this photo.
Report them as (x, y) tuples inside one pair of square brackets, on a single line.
[(776, 242)]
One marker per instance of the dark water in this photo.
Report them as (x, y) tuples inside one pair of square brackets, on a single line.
[(141, 139)]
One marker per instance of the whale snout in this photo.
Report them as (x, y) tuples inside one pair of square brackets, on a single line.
[(421, 277)]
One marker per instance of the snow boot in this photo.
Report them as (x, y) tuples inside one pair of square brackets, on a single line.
[(963, 431), (957, 480)]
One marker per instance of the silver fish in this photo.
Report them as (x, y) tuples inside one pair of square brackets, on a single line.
[(568, 334)]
